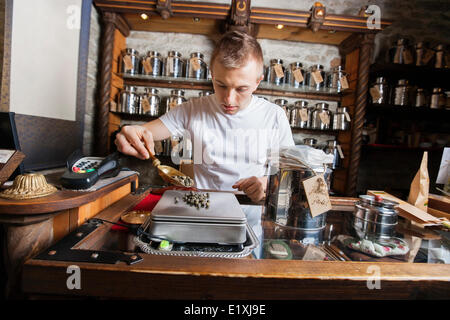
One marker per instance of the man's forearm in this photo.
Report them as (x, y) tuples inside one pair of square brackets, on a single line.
[(158, 130)]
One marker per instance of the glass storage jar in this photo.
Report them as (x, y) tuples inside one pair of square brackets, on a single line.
[(300, 114), (151, 64), (150, 102), (321, 117), (295, 75), (129, 100), (283, 103), (129, 61), (315, 77), (276, 72), (196, 67), (174, 65)]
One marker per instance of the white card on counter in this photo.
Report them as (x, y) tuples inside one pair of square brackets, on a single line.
[(444, 169), (5, 155), (316, 191)]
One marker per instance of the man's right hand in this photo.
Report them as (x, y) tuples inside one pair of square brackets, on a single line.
[(135, 141)]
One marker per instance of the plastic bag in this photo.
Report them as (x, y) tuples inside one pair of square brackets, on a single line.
[(300, 156)]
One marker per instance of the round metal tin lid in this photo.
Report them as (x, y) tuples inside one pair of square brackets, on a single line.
[(301, 103), (130, 51), (276, 61), (371, 200)]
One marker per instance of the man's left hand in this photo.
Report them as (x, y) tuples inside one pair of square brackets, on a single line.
[(254, 187)]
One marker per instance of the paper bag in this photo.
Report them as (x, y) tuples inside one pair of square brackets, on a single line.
[(420, 186), (418, 196)]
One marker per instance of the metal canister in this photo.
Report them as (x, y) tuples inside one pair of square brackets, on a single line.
[(129, 100), (283, 103), (321, 117), (332, 148), (375, 218), (300, 114), (287, 208), (151, 64), (150, 102), (380, 91), (294, 73), (399, 52), (316, 77), (438, 99), (174, 65), (205, 93), (334, 79), (311, 142), (400, 95), (276, 72), (439, 57), (341, 119), (196, 66), (129, 61), (419, 54), (176, 98), (420, 100)]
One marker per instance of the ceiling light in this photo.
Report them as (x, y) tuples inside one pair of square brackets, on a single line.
[(144, 16), (279, 26)]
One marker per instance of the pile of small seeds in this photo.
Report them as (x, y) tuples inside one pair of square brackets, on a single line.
[(196, 199), (184, 180)]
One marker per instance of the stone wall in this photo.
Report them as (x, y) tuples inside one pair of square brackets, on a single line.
[(92, 83)]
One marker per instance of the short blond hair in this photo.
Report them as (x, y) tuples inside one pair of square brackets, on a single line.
[(235, 48)]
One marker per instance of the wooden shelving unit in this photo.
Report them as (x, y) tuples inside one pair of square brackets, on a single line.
[(350, 33), (264, 88)]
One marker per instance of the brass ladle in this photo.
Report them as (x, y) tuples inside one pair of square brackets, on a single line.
[(169, 174)]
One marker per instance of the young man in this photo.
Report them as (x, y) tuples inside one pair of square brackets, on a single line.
[(231, 130)]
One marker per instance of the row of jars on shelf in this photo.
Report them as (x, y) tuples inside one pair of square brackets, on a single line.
[(149, 102), (419, 54), (154, 64), (300, 115), (295, 75), (314, 77), (404, 94), (319, 117)]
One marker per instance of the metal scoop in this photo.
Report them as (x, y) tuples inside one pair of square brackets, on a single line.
[(170, 174)]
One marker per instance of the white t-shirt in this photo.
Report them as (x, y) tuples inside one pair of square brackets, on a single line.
[(227, 148)]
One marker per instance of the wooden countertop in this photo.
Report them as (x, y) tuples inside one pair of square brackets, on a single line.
[(60, 200), (156, 277)]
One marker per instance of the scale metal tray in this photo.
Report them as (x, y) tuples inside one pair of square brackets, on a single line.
[(201, 249), (223, 222)]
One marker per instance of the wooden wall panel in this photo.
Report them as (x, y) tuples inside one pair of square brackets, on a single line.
[(91, 209)]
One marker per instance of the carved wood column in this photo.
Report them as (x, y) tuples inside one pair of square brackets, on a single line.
[(360, 111), (111, 22), (102, 114), (240, 17)]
